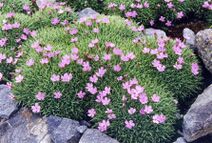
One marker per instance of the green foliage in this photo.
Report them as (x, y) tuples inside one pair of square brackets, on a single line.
[(37, 78), (38, 20), (14, 5)]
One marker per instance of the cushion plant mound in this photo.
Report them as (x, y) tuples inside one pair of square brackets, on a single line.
[(97, 71), (15, 6), (13, 37), (102, 64)]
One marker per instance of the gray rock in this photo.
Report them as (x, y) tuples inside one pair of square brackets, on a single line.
[(189, 35), (82, 129), (204, 46), (180, 140), (41, 3), (155, 32), (95, 136), (29, 128), (7, 105), (86, 13), (66, 132), (198, 120)]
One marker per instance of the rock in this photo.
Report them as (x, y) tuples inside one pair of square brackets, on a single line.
[(157, 32), (66, 132), (82, 129), (198, 120), (204, 46), (24, 127), (42, 3), (95, 136), (180, 140), (86, 13), (7, 105), (189, 35)]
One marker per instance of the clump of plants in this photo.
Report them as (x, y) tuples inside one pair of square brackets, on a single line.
[(17, 28), (166, 12), (99, 67), (20, 6)]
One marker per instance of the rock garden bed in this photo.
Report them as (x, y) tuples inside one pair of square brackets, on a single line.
[(113, 71)]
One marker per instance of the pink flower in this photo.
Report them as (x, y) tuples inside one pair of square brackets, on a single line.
[(103, 126), (73, 31), (19, 78), (91, 88), (143, 99), (117, 51), (40, 96), (148, 109), (93, 79), (67, 77), (180, 15), (106, 101), (158, 119), (3, 42), (195, 68), (155, 98), (101, 72), (57, 95), (129, 124), (55, 21), (178, 66), (117, 68), (26, 7), (81, 94), (131, 111), (122, 7), (107, 57), (162, 19), (91, 113), (96, 30), (44, 61), (30, 62), (36, 108), (55, 78)]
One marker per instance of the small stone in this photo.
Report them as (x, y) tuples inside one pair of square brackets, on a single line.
[(204, 46), (95, 136), (198, 120), (189, 35), (7, 105), (66, 132), (86, 13), (155, 32), (82, 129), (180, 140)]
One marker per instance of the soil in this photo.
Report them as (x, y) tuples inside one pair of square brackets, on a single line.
[(177, 31)]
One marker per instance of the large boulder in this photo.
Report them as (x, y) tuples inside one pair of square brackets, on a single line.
[(198, 120), (204, 45), (95, 136), (7, 104)]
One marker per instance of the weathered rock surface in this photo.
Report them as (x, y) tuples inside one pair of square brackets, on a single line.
[(66, 132), (86, 13), (157, 32), (198, 120), (95, 136), (204, 46), (25, 127), (7, 105), (189, 35), (180, 140)]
